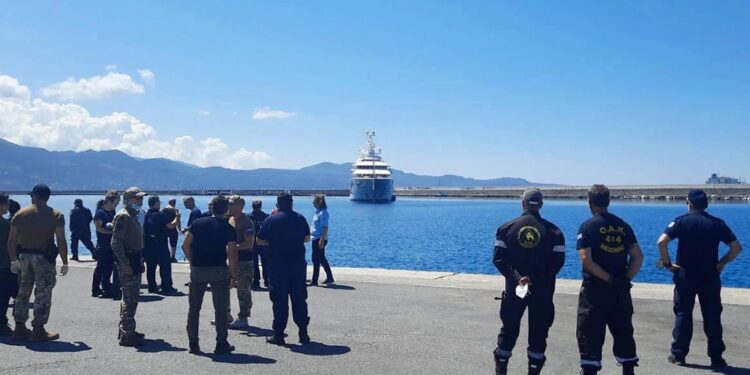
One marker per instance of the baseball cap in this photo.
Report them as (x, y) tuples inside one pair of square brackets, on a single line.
[(698, 198), (41, 191), (533, 197), (133, 192)]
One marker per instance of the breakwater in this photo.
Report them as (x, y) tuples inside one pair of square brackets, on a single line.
[(739, 192)]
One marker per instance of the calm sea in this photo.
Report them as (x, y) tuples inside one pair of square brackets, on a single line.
[(457, 235)]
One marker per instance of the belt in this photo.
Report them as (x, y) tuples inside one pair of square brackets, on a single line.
[(32, 251)]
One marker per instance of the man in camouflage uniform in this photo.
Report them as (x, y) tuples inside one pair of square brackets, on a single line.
[(32, 250), (127, 245), (245, 240)]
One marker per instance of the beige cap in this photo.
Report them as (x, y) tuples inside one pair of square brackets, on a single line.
[(133, 192)]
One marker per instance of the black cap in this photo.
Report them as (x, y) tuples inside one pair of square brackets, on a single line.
[(41, 191), (698, 198), (533, 197)]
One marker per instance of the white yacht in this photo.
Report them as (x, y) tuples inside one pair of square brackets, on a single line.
[(371, 176)]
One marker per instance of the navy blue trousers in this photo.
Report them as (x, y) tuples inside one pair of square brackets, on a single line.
[(8, 288), (288, 283), (103, 279), (709, 294), (161, 258)]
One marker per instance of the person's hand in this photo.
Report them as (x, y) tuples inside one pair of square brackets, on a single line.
[(177, 214), (63, 270), (524, 281), (322, 244), (720, 267), (15, 266), (620, 282), (676, 268)]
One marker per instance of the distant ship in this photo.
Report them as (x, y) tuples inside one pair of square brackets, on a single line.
[(371, 176), (717, 179)]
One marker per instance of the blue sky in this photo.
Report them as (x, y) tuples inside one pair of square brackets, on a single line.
[(635, 92)]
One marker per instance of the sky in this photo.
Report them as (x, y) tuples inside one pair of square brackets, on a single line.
[(636, 92)]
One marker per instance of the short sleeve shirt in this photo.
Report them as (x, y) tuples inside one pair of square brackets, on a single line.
[(285, 231), (528, 241), (243, 226), (320, 221), (155, 230), (104, 240), (36, 226), (210, 238), (171, 213), (610, 239), (699, 235), (195, 214)]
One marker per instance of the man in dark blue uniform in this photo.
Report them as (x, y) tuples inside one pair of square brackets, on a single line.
[(611, 258), (286, 233), (80, 228), (529, 252), (156, 227), (105, 261), (698, 273)]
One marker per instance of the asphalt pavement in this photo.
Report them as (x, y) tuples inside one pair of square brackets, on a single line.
[(370, 322)]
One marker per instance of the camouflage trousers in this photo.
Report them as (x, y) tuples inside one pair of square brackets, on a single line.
[(39, 274), (131, 290), (244, 293)]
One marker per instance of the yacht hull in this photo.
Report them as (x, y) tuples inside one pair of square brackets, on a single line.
[(379, 190)]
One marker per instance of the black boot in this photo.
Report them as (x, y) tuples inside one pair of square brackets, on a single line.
[(628, 368), (535, 366), (501, 366), (589, 370), (276, 339)]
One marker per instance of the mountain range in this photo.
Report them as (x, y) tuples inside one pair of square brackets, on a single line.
[(23, 167)]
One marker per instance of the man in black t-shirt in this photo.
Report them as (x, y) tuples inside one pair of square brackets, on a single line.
[(105, 259), (156, 227), (611, 258), (259, 251), (286, 233), (698, 273), (208, 245), (529, 251), (174, 233), (8, 280)]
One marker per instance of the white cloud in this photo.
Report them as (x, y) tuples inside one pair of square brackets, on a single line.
[(204, 113), (111, 67), (67, 126), (96, 87), (147, 75), (266, 113)]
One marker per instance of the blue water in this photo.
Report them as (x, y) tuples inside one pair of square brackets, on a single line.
[(457, 235)]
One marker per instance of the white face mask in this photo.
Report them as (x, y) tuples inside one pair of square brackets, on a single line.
[(135, 206)]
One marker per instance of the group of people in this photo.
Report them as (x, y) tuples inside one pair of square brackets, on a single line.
[(530, 251), (222, 246)]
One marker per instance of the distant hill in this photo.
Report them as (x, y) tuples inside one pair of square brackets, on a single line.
[(22, 167)]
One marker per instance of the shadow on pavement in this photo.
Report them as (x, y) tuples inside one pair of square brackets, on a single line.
[(57, 347), (320, 349), (727, 371), (239, 359), (339, 287), (149, 298), (258, 332), (158, 346)]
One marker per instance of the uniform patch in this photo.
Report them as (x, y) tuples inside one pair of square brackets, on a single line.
[(580, 235), (670, 225), (529, 237), (500, 243), (559, 249)]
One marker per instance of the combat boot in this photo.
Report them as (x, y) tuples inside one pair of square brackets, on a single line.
[(535, 366), (501, 366), (276, 339), (628, 368), (589, 370), (21, 332), (131, 340), (41, 334), (304, 338)]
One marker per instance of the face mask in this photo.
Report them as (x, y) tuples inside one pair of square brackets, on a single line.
[(135, 206)]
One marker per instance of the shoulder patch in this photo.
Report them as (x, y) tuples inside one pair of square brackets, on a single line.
[(670, 225), (580, 235)]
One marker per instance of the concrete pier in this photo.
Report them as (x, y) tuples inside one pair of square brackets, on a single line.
[(371, 322)]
